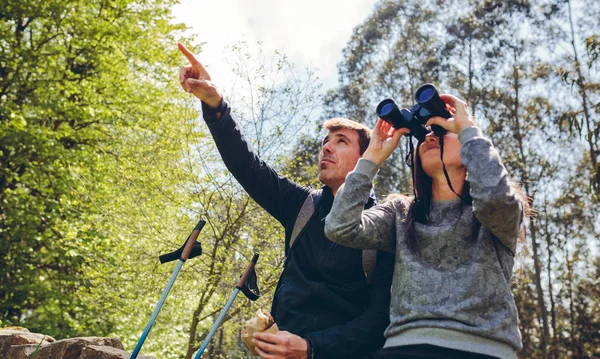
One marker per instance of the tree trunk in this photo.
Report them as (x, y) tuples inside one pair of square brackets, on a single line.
[(554, 343), (575, 347), (543, 312), (581, 84)]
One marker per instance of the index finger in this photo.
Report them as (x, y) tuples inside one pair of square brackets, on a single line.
[(402, 130), (380, 123), (454, 102), (459, 106), (268, 337), (191, 57), (437, 120), (450, 99)]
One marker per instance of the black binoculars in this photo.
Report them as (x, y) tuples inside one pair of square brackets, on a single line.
[(429, 104)]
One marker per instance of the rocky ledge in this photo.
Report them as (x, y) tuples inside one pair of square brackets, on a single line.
[(19, 343)]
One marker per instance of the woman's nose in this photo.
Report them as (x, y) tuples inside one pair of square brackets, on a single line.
[(431, 137)]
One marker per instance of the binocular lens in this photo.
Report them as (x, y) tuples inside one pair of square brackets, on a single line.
[(386, 109), (429, 104), (425, 94)]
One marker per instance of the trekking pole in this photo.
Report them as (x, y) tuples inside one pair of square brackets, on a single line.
[(190, 249), (251, 293)]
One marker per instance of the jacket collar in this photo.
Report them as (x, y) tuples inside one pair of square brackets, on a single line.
[(328, 197)]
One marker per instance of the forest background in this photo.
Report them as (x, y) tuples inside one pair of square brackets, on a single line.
[(106, 162)]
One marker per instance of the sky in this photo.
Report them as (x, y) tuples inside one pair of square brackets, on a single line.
[(312, 33)]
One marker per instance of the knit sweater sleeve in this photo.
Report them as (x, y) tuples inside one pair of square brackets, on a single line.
[(350, 224), (496, 204)]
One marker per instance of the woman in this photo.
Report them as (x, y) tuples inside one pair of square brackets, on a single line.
[(451, 293)]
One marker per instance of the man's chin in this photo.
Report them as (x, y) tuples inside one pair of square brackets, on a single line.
[(323, 178)]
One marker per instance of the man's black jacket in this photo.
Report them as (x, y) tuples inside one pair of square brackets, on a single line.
[(322, 293)]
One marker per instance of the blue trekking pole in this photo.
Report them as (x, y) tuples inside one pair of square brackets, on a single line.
[(248, 285), (190, 249)]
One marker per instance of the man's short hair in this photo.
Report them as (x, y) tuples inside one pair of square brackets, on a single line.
[(338, 123)]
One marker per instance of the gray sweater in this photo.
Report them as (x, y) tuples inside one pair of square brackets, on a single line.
[(455, 291)]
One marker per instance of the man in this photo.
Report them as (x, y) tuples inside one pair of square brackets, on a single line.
[(323, 304)]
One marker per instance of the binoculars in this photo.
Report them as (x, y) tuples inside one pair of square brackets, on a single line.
[(429, 104)]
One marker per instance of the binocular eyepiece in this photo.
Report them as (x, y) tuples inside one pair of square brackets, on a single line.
[(429, 104)]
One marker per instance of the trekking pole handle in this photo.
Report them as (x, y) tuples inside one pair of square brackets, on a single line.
[(247, 273), (191, 240)]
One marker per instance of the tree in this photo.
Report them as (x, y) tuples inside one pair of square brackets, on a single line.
[(580, 31), (390, 55), (503, 57), (80, 82)]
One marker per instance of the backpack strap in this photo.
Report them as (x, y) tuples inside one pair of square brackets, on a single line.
[(306, 212), (369, 256)]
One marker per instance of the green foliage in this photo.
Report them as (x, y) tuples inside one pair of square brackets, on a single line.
[(84, 87), (105, 165)]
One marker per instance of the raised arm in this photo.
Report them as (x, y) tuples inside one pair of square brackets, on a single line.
[(276, 194), (496, 204), (348, 223)]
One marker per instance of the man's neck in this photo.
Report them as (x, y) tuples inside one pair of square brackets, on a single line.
[(334, 187), (334, 190)]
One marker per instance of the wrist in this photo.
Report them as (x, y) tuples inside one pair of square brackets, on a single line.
[(466, 124), (214, 101), (213, 114), (469, 133), (373, 157), (310, 353)]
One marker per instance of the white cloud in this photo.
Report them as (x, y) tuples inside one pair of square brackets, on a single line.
[(311, 32)]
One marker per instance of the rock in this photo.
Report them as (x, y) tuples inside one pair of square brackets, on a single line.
[(72, 348), (20, 329), (104, 352), (17, 344), (10, 337), (20, 352)]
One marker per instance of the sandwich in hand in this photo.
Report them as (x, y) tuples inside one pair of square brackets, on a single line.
[(261, 322)]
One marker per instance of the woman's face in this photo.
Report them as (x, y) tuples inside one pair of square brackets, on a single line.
[(429, 151)]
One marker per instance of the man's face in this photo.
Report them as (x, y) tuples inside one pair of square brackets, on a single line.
[(339, 153)]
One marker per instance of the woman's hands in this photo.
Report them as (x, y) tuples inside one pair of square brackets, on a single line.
[(384, 140), (461, 117)]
